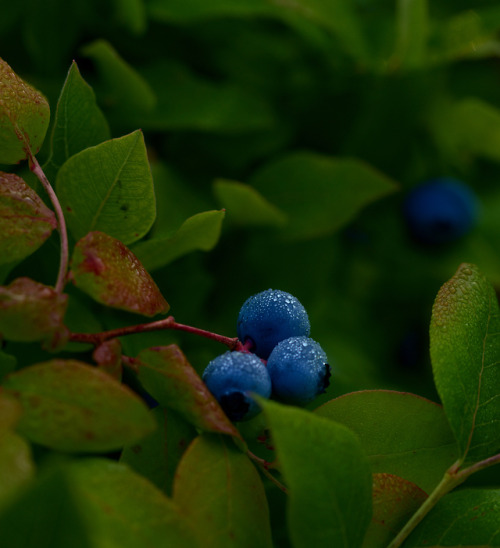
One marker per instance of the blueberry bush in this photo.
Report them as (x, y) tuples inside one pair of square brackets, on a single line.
[(160, 157)]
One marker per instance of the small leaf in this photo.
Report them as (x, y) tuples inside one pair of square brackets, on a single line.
[(199, 232), (395, 500), (421, 446), (112, 275), (108, 357), (319, 194), (328, 476), (465, 354), (156, 457), (167, 375), (109, 188), (24, 117), (71, 406), (246, 206), (468, 517), (25, 221), (31, 311), (16, 465), (123, 89), (123, 509), (219, 489), (78, 124)]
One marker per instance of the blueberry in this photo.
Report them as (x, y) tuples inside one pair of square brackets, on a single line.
[(231, 377), (441, 211), (270, 317), (299, 370)]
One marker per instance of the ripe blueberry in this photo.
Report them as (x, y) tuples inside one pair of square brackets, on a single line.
[(270, 317), (441, 210), (231, 377), (298, 369)]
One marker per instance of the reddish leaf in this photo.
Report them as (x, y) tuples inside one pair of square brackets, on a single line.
[(25, 221), (395, 500), (30, 311), (111, 274), (24, 117), (167, 375), (71, 406), (108, 357)]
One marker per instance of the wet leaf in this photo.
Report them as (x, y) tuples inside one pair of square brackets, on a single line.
[(24, 117), (71, 406), (110, 273), (25, 221)]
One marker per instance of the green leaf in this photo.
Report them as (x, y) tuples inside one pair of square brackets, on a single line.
[(328, 476), (124, 509), (421, 446), (395, 500), (319, 194), (218, 488), (245, 206), (122, 88), (31, 311), (8, 364), (16, 465), (412, 24), (468, 517), (47, 515), (25, 221), (156, 457), (465, 354), (167, 375), (24, 117), (109, 188), (199, 232), (131, 14), (71, 406), (79, 122), (111, 274)]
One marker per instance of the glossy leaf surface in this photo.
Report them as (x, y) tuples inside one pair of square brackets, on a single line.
[(111, 274), (71, 406)]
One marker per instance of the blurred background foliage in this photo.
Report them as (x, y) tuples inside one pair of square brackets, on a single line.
[(308, 121)]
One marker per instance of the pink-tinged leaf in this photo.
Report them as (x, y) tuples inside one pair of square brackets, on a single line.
[(25, 221), (31, 311), (167, 375), (111, 274), (395, 500), (108, 357), (71, 406), (24, 117)]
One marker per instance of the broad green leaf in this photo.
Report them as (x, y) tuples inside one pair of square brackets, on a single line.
[(10, 411), (156, 457), (467, 127), (328, 476), (319, 194), (395, 500), (218, 488), (412, 23), (123, 509), (246, 206), (402, 434), (187, 101), (31, 311), (25, 221), (111, 274), (24, 117), (167, 375), (467, 517), (122, 88), (16, 465), (78, 124), (71, 406), (109, 188), (199, 232), (46, 515), (465, 354)]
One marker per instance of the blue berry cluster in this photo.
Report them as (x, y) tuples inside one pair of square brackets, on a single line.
[(283, 361)]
